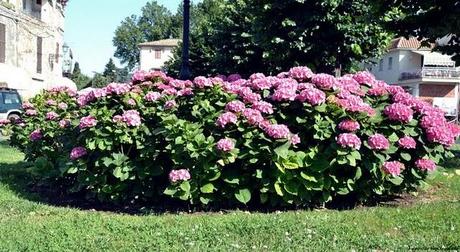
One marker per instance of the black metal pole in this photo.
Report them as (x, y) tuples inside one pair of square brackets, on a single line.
[(185, 66)]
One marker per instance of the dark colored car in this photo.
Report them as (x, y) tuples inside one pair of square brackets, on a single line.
[(10, 104)]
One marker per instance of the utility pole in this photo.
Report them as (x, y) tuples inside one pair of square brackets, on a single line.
[(185, 66)]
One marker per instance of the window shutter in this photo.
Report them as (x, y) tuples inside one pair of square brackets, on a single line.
[(2, 43), (39, 54)]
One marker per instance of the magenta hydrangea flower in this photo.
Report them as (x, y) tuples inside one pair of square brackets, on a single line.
[(51, 116), (87, 122), (263, 107), (27, 105), (364, 78), (295, 139), (64, 123), (312, 95), (324, 81), (170, 104), (4, 122), (138, 76), (225, 119), (301, 73), (185, 92), (407, 143), (399, 112), (36, 135), (132, 118), (235, 106), (77, 153), (378, 142), (440, 134), (349, 140), (131, 102), (118, 88), (253, 116), (51, 102), (434, 120), (349, 125), (285, 92), (152, 96), (233, 77), (225, 145), (202, 82), (31, 112), (261, 84), (424, 164), (179, 175), (63, 106), (393, 168), (278, 131)]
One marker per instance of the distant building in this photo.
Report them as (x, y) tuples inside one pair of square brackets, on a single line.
[(154, 54), (31, 45), (431, 76)]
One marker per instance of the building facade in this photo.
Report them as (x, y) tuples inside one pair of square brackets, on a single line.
[(154, 55), (431, 76), (31, 45)]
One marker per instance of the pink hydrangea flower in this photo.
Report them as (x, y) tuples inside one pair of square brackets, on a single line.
[(295, 139), (118, 88), (261, 84), (235, 106), (429, 121), (170, 104), (4, 122), (349, 140), (278, 131), (263, 107), (233, 77), (253, 116), (407, 143), (131, 102), (425, 164), (78, 152), (31, 112), (349, 125), (64, 123), (399, 112), (378, 142), (27, 105), (152, 96), (138, 76), (440, 134), (63, 106), (300, 73), (36, 135), (225, 145), (225, 119), (87, 122), (364, 78), (132, 118), (51, 102), (117, 119), (393, 168), (202, 82), (256, 76), (179, 175), (185, 92), (285, 92), (312, 95), (324, 81), (51, 116)]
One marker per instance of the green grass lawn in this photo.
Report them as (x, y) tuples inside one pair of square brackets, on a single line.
[(431, 222)]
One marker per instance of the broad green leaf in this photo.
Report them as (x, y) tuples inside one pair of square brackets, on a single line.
[(243, 195), (185, 186), (208, 188)]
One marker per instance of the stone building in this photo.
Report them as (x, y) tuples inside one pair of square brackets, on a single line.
[(31, 45), (154, 54)]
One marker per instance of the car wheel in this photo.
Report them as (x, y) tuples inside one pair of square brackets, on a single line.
[(13, 117)]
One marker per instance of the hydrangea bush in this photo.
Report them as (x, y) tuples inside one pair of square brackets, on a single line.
[(298, 138)]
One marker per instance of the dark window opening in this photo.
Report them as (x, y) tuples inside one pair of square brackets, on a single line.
[(39, 54)]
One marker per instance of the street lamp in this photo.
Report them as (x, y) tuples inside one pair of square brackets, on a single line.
[(185, 66)]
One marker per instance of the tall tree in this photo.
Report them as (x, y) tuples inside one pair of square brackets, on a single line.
[(110, 71), (99, 81), (79, 78), (156, 22)]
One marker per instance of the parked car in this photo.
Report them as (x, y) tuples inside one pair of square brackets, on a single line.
[(10, 104)]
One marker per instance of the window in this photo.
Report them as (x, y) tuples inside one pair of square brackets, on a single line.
[(157, 54), (2, 43), (39, 54), (381, 65), (24, 4), (57, 52), (390, 63), (39, 2), (11, 98)]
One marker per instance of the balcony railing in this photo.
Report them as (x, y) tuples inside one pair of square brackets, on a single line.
[(431, 72)]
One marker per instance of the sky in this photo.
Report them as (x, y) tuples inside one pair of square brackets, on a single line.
[(90, 26)]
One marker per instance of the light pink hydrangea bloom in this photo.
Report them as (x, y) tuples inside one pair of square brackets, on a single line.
[(349, 140), (407, 143), (393, 168), (78, 152), (378, 142), (399, 112), (87, 122), (225, 145), (349, 125), (179, 175), (132, 118), (225, 119), (424, 164)]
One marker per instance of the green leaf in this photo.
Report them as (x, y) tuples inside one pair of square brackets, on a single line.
[(170, 191), (393, 138), (243, 195), (396, 180), (118, 173), (208, 188), (308, 177), (185, 186), (278, 189), (283, 150), (356, 49), (406, 156), (72, 170)]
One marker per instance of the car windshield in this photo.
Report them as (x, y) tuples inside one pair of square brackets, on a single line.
[(11, 98)]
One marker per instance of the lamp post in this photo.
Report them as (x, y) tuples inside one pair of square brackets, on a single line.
[(185, 66)]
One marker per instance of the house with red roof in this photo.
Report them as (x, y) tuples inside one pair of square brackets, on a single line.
[(429, 75)]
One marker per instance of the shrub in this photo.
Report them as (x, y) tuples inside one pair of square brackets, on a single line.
[(294, 139)]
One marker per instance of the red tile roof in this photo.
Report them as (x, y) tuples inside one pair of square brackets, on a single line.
[(411, 43)]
